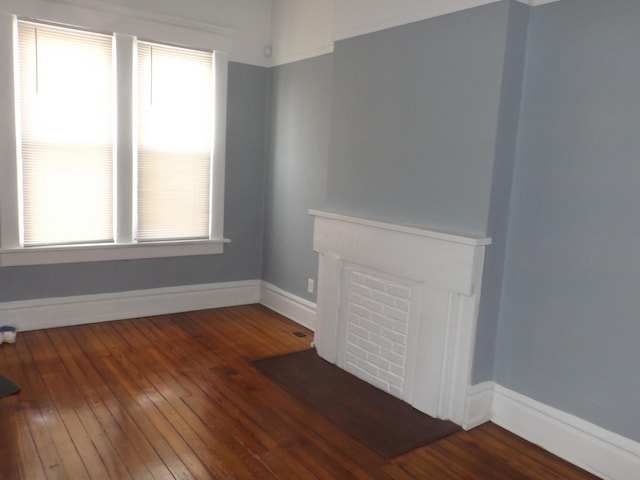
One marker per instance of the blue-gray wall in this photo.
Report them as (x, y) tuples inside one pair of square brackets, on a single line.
[(508, 120), (569, 327), (414, 121), (422, 125), (298, 143), (423, 130), (410, 136), (244, 192)]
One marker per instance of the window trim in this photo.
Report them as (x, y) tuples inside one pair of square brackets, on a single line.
[(108, 251), (124, 247)]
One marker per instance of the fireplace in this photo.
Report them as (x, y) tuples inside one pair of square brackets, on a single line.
[(397, 307)]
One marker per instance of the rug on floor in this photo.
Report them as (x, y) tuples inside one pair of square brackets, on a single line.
[(377, 419)]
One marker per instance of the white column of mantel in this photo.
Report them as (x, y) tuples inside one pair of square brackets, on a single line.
[(328, 306)]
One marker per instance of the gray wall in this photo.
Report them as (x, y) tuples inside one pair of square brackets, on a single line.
[(414, 121), (242, 258), (298, 143), (423, 126), (510, 99), (570, 319)]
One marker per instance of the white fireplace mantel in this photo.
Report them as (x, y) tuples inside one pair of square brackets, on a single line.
[(397, 307)]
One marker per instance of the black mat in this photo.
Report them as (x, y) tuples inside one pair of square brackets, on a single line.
[(380, 421), (7, 387)]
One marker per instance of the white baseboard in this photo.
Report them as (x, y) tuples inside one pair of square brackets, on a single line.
[(479, 404), (592, 448), (291, 306), (58, 312)]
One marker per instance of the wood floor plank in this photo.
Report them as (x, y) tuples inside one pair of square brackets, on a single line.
[(527, 456), (64, 396), (23, 461), (36, 407), (258, 404), (97, 433), (213, 407), (158, 380), (153, 429), (133, 450), (189, 443), (176, 396), (467, 452)]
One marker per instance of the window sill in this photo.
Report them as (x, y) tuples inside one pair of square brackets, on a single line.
[(106, 252)]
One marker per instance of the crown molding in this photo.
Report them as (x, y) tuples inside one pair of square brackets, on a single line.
[(351, 24), (184, 22)]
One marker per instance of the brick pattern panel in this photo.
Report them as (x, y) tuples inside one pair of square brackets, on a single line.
[(377, 328)]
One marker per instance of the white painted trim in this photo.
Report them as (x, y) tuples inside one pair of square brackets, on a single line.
[(192, 24), (106, 252), (479, 404), (447, 272), (592, 448), (473, 241), (77, 310), (217, 180), (291, 306), (459, 343), (429, 10), (350, 23)]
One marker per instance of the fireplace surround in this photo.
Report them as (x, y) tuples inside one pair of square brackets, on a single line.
[(397, 307)]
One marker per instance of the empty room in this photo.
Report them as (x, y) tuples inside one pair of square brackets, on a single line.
[(270, 238)]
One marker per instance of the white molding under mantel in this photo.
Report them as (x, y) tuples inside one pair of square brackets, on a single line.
[(473, 241)]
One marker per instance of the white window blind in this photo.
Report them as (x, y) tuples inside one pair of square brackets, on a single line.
[(174, 142), (66, 135)]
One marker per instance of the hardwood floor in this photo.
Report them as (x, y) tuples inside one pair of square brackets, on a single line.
[(175, 396)]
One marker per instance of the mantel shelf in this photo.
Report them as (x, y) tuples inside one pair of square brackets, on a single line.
[(473, 241)]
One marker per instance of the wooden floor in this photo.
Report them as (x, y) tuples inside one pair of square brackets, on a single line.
[(175, 396)]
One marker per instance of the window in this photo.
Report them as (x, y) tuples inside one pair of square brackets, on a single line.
[(119, 151), (174, 142), (65, 146)]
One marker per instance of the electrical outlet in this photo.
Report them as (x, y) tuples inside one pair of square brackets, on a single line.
[(310, 285)]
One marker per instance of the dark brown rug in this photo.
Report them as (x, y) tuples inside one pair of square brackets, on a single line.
[(380, 421)]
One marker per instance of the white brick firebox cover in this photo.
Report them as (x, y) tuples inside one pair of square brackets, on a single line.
[(397, 307)]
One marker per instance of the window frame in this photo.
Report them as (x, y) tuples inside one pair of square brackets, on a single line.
[(125, 247)]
